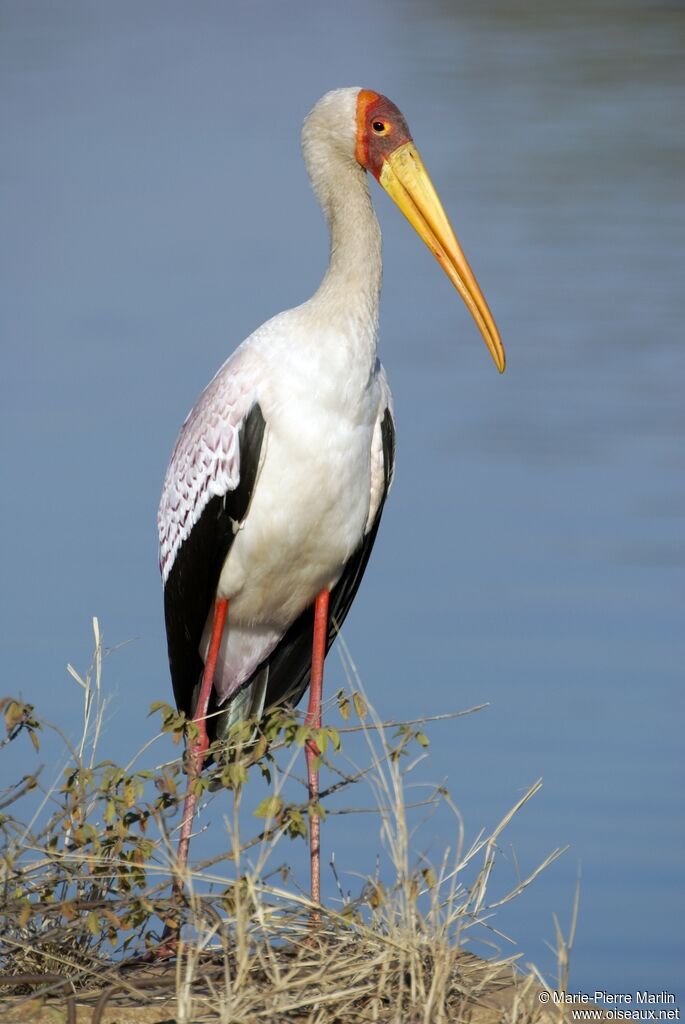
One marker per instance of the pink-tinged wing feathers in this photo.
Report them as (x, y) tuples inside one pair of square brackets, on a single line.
[(205, 462)]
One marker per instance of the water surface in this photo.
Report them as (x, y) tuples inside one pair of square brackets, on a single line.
[(156, 210)]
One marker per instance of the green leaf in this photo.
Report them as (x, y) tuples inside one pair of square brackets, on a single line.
[(334, 737), (93, 923), (234, 775), (429, 877), (316, 810), (302, 734), (259, 749), (343, 705), (158, 705), (359, 705), (270, 807), (296, 825), (320, 737)]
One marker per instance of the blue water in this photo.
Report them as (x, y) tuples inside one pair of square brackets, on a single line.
[(155, 210)]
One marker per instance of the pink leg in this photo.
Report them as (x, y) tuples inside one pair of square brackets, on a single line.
[(198, 748), (313, 718)]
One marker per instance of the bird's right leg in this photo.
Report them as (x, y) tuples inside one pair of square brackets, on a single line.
[(197, 748)]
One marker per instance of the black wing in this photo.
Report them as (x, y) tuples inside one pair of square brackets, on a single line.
[(289, 665), (190, 588)]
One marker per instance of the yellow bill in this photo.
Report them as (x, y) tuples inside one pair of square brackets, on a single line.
[(406, 180)]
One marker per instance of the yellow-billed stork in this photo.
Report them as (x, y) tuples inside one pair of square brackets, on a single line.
[(275, 489)]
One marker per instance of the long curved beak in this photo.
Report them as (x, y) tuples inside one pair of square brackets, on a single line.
[(406, 180)]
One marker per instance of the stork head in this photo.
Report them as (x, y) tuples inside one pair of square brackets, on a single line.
[(364, 127)]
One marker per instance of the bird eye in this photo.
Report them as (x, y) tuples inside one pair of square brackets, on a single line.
[(380, 127)]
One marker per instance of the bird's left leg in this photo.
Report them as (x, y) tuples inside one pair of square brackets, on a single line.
[(197, 748), (197, 751), (313, 718)]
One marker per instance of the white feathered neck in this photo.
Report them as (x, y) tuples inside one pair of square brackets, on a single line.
[(349, 293)]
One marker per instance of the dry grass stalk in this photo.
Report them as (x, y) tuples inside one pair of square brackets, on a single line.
[(86, 881)]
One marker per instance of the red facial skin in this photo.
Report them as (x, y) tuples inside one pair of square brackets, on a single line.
[(374, 146)]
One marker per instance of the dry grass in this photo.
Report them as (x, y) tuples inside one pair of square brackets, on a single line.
[(87, 868)]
